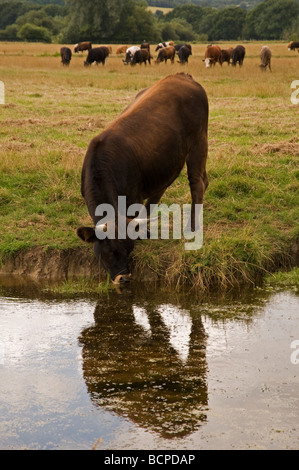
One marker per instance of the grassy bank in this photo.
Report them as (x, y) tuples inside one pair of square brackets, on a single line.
[(251, 206)]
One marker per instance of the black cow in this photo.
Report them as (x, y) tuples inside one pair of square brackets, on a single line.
[(141, 165), (97, 55), (226, 55), (66, 55), (238, 55), (183, 54), (178, 47), (141, 57)]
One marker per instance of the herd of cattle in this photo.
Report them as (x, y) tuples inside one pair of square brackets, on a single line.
[(167, 51)]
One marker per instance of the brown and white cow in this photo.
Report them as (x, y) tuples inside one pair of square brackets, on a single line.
[(164, 44), (141, 165), (166, 53), (265, 55), (82, 46), (212, 55), (293, 45)]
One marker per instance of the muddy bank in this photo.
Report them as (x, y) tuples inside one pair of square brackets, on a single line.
[(51, 265), (42, 264)]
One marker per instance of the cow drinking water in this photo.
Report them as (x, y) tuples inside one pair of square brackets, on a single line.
[(139, 166)]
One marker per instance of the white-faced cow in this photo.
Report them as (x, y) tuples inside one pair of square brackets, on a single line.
[(265, 58), (212, 55), (141, 165), (293, 45), (66, 55), (238, 55), (97, 55), (82, 46)]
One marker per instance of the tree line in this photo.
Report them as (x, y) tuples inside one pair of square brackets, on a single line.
[(130, 21)]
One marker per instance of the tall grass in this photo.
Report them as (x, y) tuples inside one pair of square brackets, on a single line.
[(251, 205)]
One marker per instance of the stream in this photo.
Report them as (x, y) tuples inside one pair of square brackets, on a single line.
[(148, 368)]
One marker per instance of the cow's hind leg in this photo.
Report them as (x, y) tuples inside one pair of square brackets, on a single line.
[(198, 178)]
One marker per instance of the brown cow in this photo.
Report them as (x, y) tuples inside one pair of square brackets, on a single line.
[(145, 45), (212, 55), (139, 166), (226, 55), (266, 58), (166, 53), (293, 45), (141, 56), (83, 46), (121, 50)]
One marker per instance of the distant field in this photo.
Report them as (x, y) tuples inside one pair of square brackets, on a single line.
[(251, 208), (154, 9)]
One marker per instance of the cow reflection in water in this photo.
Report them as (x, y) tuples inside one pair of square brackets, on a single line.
[(145, 360)]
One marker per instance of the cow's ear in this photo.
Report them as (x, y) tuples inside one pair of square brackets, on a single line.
[(87, 234)]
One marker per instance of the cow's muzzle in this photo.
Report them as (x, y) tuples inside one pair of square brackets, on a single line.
[(121, 278)]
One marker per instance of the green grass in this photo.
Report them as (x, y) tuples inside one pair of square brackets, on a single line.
[(251, 205), (284, 280)]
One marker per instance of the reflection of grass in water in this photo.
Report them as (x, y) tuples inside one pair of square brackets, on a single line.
[(80, 286)]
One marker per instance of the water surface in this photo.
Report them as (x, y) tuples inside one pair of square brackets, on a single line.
[(148, 368)]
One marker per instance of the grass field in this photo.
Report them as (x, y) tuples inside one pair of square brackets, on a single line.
[(51, 113)]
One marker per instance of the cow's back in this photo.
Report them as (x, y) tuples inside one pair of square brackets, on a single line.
[(175, 116)]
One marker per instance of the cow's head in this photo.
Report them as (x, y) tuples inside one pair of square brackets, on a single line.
[(113, 252), (208, 61)]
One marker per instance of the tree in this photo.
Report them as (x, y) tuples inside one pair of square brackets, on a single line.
[(10, 11), (110, 20), (229, 24), (270, 19), (10, 33), (31, 32)]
